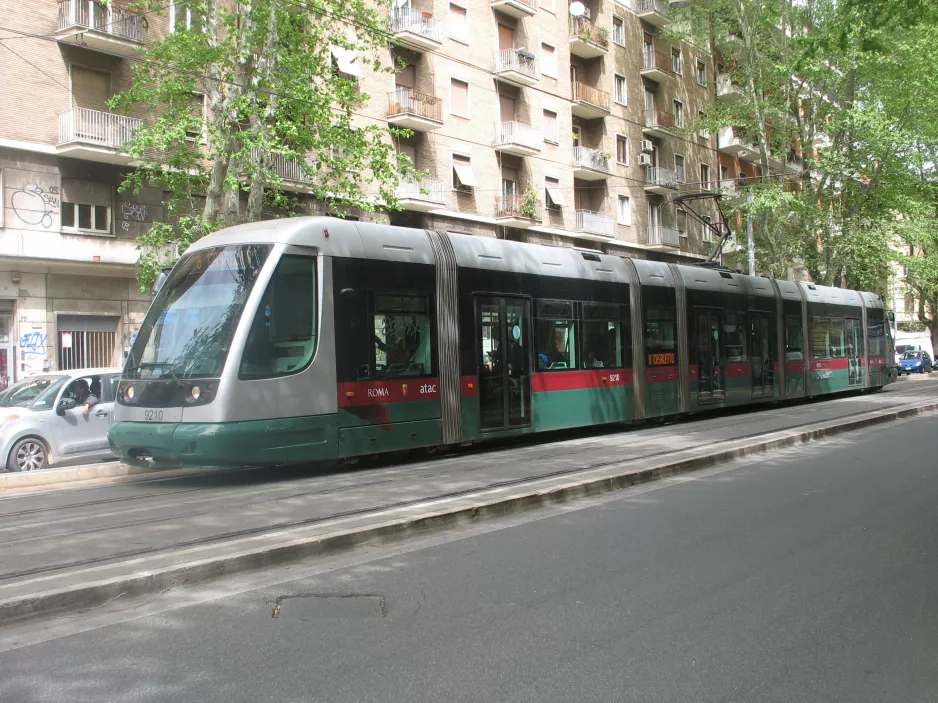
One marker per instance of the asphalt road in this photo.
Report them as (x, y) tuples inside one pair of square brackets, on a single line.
[(809, 575), (51, 532)]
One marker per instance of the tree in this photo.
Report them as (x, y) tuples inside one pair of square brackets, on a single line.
[(242, 87), (846, 89)]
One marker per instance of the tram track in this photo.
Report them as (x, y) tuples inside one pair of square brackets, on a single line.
[(427, 473)]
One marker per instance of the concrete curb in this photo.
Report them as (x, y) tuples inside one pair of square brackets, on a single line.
[(88, 472), (452, 513)]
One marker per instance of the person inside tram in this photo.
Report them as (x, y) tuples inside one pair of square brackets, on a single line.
[(592, 360)]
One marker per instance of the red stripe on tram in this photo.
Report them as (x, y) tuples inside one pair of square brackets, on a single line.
[(580, 380)]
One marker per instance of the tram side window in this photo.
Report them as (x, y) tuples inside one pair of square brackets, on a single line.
[(604, 345), (838, 343), (820, 337), (660, 335), (403, 334), (555, 331), (794, 338), (282, 339), (735, 336), (876, 340)]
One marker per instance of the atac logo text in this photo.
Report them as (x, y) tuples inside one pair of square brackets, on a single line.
[(427, 388)]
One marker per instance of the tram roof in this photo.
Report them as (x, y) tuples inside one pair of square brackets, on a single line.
[(351, 239)]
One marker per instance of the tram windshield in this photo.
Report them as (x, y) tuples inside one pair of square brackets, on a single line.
[(188, 330)]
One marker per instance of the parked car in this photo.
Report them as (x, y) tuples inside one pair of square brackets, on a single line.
[(42, 423), (915, 362)]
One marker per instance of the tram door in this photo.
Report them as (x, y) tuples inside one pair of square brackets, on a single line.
[(710, 363), (763, 360), (504, 348)]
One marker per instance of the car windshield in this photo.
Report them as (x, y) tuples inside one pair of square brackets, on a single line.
[(188, 330), (912, 355), (25, 393)]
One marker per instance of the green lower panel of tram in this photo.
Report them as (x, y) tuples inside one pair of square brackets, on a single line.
[(662, 399), (839, 381), (277, 441), (557, 410)]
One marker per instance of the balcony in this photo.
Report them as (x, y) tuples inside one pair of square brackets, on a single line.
[(726, 89), (586, 39), (664, 236), (416, 30), (114, 30), (728, 188), (422, 195), (654, 12), (794, 163), (512, 211), (594, 224), (730, 140), (516, 66), (515, 8), (588, 102), (94, 135), (590, 164), (659, 123), (660, 180), (517, 138), (412, 110), (291, 172), (655, 65)]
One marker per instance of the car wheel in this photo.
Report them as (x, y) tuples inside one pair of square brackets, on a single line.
[(28, 454)]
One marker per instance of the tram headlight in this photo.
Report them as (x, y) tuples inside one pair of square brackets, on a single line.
[(194, 394), (129, 392)]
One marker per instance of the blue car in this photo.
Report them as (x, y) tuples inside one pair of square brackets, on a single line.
[(915, 362)]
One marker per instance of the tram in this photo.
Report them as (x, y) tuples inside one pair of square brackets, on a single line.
[(315, 338)]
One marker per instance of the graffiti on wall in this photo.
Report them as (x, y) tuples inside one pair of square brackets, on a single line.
[(33, 343), (35, 205), (33, 352)]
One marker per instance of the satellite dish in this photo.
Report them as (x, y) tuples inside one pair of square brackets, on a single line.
[(577, 9)]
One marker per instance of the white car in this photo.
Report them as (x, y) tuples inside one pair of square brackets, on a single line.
[(42, 425)]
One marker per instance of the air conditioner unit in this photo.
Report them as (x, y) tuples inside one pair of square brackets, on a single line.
[(648, 146), (645, 160)]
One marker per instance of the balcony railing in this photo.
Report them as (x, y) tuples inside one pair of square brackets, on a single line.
[(664, 234), (517, 61), (652, 6), (80, 124), (410, 102), (289, 170), (594, 223), (659, 176), (587, 31), (588, 94), (584, 157), (427, 189), (512, 206), (655, 59), (518, 133), (660, 119), (114, 19), (407, 19)]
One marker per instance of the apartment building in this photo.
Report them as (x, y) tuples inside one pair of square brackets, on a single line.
[(536, 120)]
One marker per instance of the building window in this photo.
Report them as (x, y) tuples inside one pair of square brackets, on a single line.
[(551, 130), (182, 17), (677, 65), (458, 23), (624, 211), (701, 72), (459, 97), (463, 177), (86, 218), (618, 30), (620, 90), (548, 60), (679, 171), (195, 131), (705, 177), (547, 5), (706, 234), (701, 117), (679, 114), (622, 150), (682, 222), (553, 196)]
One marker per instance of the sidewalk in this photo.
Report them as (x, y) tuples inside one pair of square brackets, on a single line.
[(77, 547)]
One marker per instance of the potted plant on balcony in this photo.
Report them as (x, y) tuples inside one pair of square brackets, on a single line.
[(530, 205), (603, 36)]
